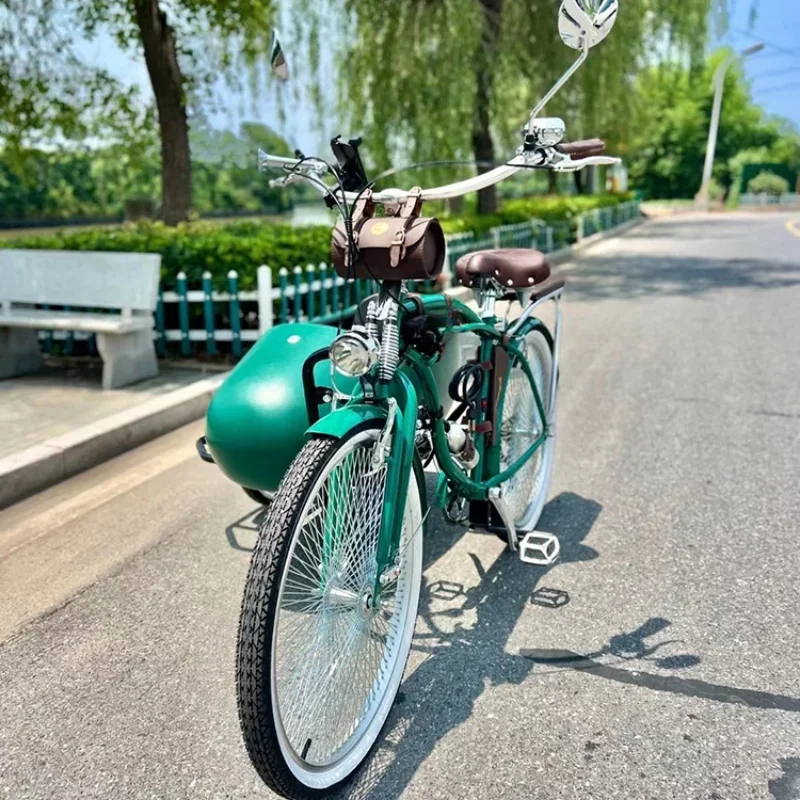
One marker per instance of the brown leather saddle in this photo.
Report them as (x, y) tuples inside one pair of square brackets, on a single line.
[(511, 268)]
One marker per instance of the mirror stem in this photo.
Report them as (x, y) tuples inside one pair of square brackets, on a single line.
[(564, 78)]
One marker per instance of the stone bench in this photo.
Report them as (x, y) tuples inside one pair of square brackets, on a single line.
[(124, 283)]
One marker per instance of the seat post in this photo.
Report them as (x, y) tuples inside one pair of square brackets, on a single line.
[(486, 293)]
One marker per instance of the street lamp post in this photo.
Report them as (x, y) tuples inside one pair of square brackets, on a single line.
[(702, 197)]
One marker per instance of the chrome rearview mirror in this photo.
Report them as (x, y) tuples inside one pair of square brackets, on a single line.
[(582, 24), (585, 23), (548, 131), (277, 59)]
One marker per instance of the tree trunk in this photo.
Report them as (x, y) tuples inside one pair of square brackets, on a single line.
[(167, 80), (552, 182), (578, 181), (482, 143)]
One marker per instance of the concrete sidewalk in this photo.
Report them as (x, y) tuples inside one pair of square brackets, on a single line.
[(59, 421)]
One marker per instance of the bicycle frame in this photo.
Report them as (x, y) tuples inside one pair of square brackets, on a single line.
[(414, 385)]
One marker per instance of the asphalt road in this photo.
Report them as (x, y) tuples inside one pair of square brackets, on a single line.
[(672, 671)]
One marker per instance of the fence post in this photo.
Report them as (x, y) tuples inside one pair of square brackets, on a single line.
[(346, 290), (297, 306), (183, 314), (208, 314), (548, 236), (265, 320), (495, 234), (323, 277), (580, 228), (311, 302), (283, 278), (233, 305), (161, 337), (335, 293)]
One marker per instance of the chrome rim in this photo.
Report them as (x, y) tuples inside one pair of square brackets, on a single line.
[(525, 491), (338, 654)]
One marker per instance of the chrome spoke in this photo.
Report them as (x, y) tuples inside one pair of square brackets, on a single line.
[(334, 649)]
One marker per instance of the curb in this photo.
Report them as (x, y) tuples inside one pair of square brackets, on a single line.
[(564, 255), (31, 470)]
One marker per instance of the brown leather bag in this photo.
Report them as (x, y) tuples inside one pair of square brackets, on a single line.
[(401, 247)]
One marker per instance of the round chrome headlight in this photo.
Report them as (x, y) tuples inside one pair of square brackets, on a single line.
[(354, 353)]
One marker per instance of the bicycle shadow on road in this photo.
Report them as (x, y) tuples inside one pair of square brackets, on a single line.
[(441, 693), (242, 533)]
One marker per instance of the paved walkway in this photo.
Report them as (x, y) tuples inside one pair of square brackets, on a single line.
[(62, 397)]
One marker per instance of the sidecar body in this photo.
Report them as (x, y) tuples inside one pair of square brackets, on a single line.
[(257, 419)]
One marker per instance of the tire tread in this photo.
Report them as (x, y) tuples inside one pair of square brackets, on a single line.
[(253, 685)]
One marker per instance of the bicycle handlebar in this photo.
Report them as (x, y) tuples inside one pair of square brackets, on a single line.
[(558, 159)]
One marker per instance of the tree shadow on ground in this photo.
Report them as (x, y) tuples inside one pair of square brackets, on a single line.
[(442, 692), (787, 787), (631, 277), (683, 228)]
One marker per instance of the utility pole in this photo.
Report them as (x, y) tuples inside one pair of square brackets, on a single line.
[(701, 198)]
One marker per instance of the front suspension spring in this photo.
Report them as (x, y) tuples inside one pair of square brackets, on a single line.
[(390, 345)]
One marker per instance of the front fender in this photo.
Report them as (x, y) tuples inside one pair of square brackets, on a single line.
[(340, 422)]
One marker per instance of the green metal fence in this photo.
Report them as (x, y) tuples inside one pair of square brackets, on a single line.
[(205, 321)]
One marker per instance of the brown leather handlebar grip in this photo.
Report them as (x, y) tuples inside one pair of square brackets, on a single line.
[(584, 149)]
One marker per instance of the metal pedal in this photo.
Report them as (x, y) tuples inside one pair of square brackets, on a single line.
[(540, 549)]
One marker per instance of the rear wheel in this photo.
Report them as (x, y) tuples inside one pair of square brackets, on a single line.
[(526, 491), (319, 660)]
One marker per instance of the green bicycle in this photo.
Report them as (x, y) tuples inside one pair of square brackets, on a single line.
[(331, 597)]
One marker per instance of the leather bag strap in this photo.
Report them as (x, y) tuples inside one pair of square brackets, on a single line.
[(409, 211)]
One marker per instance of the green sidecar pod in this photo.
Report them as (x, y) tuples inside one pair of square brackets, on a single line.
[(257, 419)]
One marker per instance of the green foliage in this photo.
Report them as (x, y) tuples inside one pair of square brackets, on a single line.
[(199, 246), (670, 130), (716, 191), (213, 37), (551, 209), (195, 247), (783, 158), (768, 183), (408, 72), (77, 181)]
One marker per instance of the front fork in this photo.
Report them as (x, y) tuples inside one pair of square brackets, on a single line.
[(395, 449)]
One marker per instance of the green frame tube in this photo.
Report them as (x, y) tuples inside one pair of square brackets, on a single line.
[(413, 385)]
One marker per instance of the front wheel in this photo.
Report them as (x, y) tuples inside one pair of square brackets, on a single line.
[(319, 660)]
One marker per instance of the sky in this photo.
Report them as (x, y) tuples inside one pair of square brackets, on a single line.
[(775, 73)]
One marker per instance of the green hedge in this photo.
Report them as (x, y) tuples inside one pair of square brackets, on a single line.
[(551, 209), (195, 247), (199, 246)]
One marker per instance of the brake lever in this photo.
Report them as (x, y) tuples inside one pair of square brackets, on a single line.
[(286, 180), (570, 165)]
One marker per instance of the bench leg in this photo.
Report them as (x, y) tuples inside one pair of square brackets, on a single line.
[(19, 352), (127, 357)]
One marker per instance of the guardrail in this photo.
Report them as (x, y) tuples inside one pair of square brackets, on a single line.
[(790, 200), (197, 321)]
